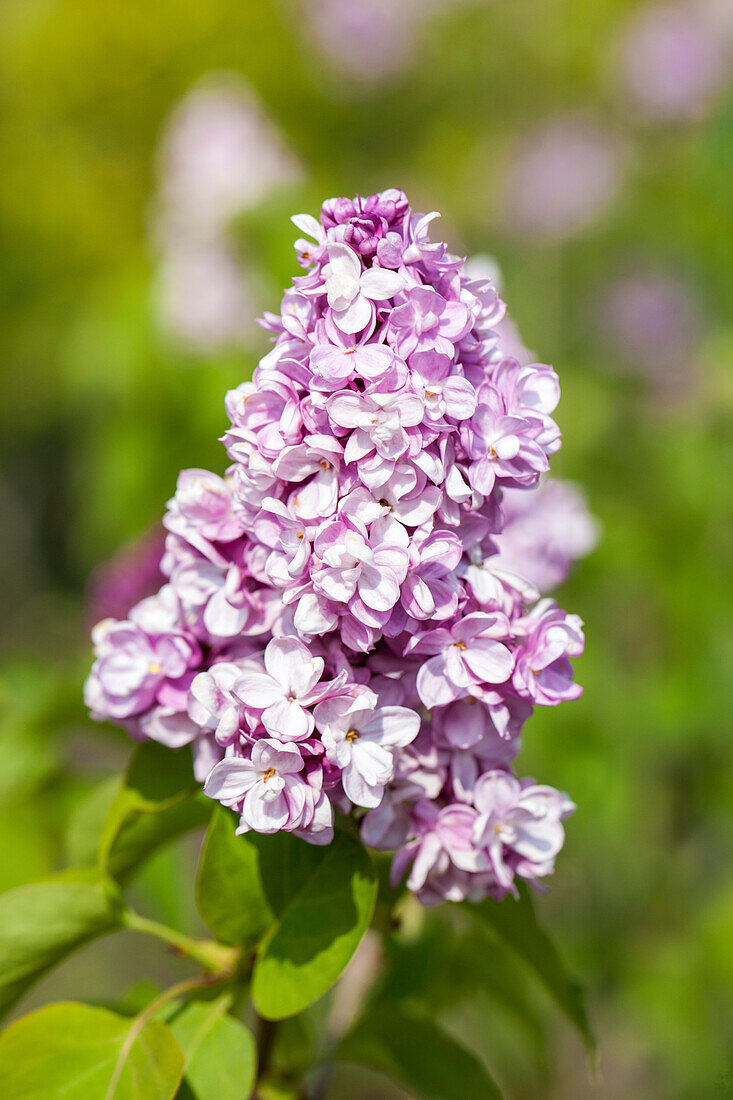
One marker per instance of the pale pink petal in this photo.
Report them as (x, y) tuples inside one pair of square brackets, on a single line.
[(360, 792), (343, 261), (460, 397), (289, 662), (394, 726), (433, 686), (411, 410), (257, 690), (337, 584), (265, 814), (489, 660), (355, 317), (288, 720), (230, 779), (373, 360), (378, 588), (347, 409), (379, 283)]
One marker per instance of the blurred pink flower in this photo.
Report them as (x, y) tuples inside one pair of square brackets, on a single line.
[(367, 40), (561, 178), (220, 154), (126, 579), (674, 59), (204, 295), (653, 321), (545, 532)]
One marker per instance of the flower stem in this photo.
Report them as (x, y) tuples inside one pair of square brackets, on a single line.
[(265, 1032), (211, 955)]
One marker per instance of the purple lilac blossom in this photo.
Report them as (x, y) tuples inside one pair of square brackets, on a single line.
[(350, 618)]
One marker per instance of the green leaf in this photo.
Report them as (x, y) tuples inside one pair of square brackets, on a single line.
[(221, 1054), (515, 923), (245, 882), (86, 824), (415, 1052), (43, 922), (158, 801), (442, 967), (84, 1053), (317, 930)]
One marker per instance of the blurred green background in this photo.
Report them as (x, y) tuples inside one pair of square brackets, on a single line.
[(598, 177)]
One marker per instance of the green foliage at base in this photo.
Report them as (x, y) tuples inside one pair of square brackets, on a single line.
[(288, 918), (84, 1053)]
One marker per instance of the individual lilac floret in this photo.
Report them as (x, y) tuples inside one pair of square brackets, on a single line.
[(351, 620), (359, 738), (268, 788), (518, 827), (283, 691), (135, 669)]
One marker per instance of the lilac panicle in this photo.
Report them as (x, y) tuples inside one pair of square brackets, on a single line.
[(351, 616)]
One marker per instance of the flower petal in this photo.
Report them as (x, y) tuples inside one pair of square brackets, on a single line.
[(355, 317), (258, 690), (379, 283), (343, 261), (489, 660), (230, 779)]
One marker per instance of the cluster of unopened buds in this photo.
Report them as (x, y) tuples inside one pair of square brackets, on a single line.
[(342, 627)]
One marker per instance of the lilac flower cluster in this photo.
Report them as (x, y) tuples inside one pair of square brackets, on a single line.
[(342, 625)]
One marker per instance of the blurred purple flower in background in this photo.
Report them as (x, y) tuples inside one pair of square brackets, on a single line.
[(220, 156), (367, 40), (129, 577), (545, 533), (674, 59), (653, 321), (561, 178), (205, 298)]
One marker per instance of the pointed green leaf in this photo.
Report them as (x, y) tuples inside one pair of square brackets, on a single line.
[(317, 931), (43, 922), (84, 1053), (415, 1052), (244, 882), (220, 1052), (158, 801), (514, 921)]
